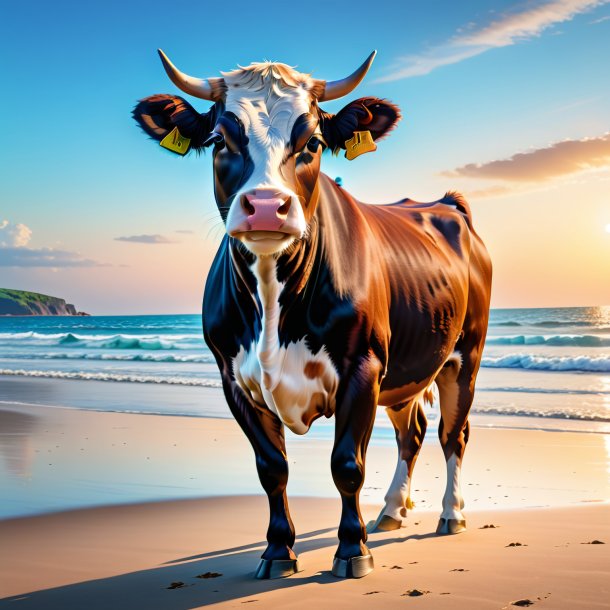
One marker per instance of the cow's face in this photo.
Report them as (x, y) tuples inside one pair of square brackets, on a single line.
[(267, 156), (267, 134)]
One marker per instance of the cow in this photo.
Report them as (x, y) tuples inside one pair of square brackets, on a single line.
[(317, 304)]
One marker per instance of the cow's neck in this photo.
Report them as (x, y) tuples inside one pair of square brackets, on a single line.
[(280, 283)]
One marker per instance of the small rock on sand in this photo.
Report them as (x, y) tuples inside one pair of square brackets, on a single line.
[(515, 544), (209, 575), (593, 542), (176, 585), (523, 603), (414, 593)]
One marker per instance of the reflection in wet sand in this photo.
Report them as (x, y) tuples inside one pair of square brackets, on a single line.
[(16, 443), (67, 458)]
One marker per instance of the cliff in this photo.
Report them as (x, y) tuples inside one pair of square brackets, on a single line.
[(22, 303)]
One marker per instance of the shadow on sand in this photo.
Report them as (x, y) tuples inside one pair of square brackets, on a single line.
[(148, 589)]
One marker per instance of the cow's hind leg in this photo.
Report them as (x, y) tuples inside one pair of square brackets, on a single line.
[(455, 384), (410, 424)]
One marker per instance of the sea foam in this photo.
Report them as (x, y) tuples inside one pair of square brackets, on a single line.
[(598, 364), (99, 376), (122, 341), (553, 340)]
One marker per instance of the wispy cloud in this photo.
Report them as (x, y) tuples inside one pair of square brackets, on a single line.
[(600, 20), (493, 191), (185, 231), (559, 159), (146, 239), (508, 30), (43, 257)]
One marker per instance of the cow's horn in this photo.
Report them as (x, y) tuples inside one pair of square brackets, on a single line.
[(203, 88), (338, 88)]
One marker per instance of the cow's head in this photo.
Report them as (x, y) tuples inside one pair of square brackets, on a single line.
[(267, 133)]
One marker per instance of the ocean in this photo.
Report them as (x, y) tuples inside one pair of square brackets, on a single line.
[(543, 369), (548, 367)]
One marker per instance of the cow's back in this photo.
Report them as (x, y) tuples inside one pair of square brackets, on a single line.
[(409, 264)]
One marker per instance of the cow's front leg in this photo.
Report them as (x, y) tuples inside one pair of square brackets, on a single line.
[(354, 423), (266, 434)]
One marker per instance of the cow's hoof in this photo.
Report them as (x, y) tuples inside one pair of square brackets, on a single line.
[(276, 568), (384, 523), (450, 526), (355, 567)]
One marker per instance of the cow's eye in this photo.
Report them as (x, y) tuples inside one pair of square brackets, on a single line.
[(215, 139), (314, 143)]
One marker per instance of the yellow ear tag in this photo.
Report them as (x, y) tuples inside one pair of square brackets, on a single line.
[(361, 143), (176, 142)]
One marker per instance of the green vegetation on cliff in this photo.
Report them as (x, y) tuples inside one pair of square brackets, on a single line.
[(23, 303)]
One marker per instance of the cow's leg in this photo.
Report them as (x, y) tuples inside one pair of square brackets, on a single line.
[(266, 434), (355, 416), (455, 384), (410, 424)]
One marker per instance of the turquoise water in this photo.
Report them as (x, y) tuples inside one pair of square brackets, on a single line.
[(551, 363)]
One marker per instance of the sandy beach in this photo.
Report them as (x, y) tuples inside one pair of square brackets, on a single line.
[(127, 557), (545, 491)]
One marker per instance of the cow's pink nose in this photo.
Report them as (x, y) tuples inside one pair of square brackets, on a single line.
[(267, 210)]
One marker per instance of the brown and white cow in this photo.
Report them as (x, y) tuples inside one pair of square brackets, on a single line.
[(318, 304)]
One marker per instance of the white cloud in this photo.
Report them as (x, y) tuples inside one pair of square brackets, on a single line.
[(14, 251), (508, 30), (16, 235)]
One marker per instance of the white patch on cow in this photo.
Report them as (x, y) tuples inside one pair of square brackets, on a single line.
[(268, 109), (398, 492), (275, 375), (398, 496), (453, 503)]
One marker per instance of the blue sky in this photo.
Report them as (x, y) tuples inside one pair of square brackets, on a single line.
[(478, 83)]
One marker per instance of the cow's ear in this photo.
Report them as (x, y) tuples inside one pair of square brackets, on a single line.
[(161, 115), (365, 114)]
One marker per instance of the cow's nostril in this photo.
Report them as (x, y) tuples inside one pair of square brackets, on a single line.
[(283, 209), (245, 203)]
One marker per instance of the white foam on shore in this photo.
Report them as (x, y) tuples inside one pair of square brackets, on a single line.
[(98, 376)]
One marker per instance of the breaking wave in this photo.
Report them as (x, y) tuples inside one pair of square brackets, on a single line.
[(600, 364), (70, 340), (550, 324), (556, 340)]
